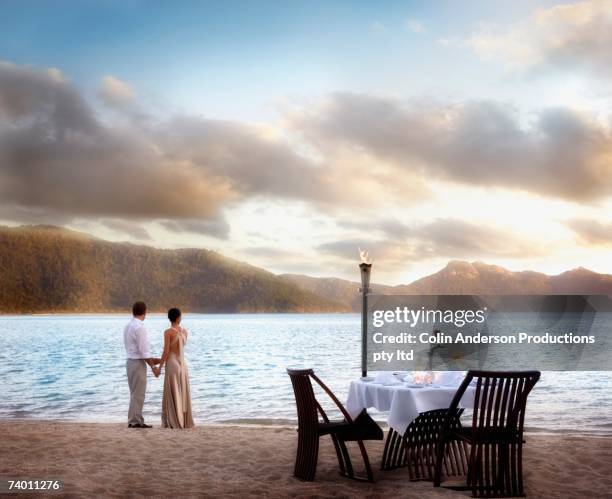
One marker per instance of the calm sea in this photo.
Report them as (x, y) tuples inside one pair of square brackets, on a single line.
[(73, 368)]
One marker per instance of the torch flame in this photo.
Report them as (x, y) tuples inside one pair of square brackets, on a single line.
[(364, 256)]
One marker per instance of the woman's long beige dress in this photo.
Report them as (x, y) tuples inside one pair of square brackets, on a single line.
[(176, 402)]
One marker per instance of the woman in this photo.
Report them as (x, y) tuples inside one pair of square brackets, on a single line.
[(176, 402)]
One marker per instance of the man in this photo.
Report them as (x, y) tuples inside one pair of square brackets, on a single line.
[(138, 353)]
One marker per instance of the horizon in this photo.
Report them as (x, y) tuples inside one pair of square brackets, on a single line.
[(288, 136)]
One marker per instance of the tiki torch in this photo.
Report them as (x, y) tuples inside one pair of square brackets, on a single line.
[(365, 268)]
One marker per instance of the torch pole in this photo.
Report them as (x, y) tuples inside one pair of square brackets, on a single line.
[(365, 270), (364, 332)]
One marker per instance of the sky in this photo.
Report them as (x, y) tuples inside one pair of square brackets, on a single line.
[(290, 134)]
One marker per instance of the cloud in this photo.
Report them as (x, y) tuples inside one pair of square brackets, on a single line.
[(33, 216), (114, 91), (559, 152), (348, 249), (56, 75), (577, 35), (442, 237), (460, 239), (394, 253), (218, 228), (591, 232), (272, 253), (415, 26), (132, 229), (41, 98), (57, 154), (253, 165), (62, 160)]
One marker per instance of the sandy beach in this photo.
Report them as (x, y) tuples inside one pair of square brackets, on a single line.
[(99, 459)]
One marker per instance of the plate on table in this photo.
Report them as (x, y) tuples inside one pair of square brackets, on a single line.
[(413, 385), (367, 379)]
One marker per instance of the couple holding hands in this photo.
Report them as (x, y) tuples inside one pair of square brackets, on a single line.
[(176, 400)]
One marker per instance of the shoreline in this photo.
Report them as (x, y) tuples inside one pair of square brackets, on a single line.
[(127, 313), (213, 460), (289, 424)]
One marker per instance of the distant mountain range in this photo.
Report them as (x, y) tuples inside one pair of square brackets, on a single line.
[(52, 269), (459, 278)]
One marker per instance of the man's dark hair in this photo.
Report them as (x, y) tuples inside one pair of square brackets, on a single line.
[(173, 314), (139, 308)]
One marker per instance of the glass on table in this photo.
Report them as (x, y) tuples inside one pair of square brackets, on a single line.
[(422, 377)]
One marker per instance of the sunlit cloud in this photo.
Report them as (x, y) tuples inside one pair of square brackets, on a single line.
[(56, 75), (592, 232), (560, 152), (450, 238), (115, 91), (57, 154), (574, 36), (218, 228)]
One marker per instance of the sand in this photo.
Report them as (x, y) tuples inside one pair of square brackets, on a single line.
[(101, 459)]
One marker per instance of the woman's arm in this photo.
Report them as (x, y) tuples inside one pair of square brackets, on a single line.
[(164, 356)]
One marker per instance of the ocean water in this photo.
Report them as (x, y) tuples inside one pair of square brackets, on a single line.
[(73, 368)]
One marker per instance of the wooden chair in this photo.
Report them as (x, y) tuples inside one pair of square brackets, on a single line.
[(310, 429), (495, 462), (416, 448)]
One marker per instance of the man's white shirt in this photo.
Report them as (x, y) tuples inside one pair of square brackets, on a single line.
[(136, 340)]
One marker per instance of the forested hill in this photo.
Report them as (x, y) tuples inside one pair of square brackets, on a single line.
[(51, 269)]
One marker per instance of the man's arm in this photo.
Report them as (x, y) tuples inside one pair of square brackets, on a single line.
[(143, 346)]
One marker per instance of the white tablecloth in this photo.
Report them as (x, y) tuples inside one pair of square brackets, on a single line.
[(404, 404)]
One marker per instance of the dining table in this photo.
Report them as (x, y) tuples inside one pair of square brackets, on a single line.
[(414, 415)]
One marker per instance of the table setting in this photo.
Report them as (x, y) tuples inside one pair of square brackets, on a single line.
[(405, 395), (412, 401)]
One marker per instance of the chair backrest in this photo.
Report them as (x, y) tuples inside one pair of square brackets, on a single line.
[(500, 398), (308, 408), (305, 400)]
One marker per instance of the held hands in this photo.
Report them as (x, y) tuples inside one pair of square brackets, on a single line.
[(156, 370)]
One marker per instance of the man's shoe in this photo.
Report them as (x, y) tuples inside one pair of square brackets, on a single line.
[(142, 425)]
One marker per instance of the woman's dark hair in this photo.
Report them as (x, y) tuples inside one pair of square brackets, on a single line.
[(173, 314)]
